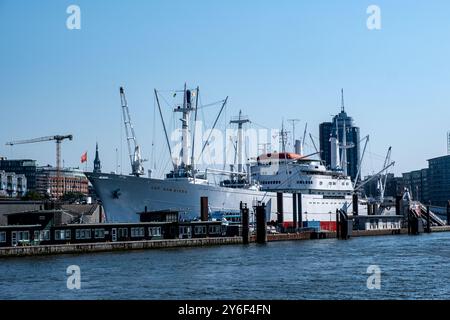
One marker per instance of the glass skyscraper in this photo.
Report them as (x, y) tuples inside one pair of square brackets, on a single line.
[(326, 129)]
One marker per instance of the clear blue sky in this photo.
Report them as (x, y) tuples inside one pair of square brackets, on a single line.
[(274, 59)]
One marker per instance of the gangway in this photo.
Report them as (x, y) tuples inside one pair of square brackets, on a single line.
[(419, 210)]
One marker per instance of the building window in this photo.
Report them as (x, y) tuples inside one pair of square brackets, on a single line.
[(185, 230), (62, 234), (83, 234), (214, 229), (137, 232), (2, 236), (99, 233), (44, 235), (154, 231), (200, 229), (123, 232)]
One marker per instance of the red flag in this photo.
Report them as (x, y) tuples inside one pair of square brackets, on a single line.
[(84, 157)]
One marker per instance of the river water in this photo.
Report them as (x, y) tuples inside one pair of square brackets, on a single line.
[(412, 267)]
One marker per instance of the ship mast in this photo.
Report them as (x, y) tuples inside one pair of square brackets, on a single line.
[(240, 121), (193, 134), (185, 110)]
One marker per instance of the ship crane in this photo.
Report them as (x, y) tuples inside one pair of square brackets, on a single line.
[(58, 139), (134, 151), (383, 179)]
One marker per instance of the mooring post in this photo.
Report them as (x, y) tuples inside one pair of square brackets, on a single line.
[(294, 210), (428, 220), (355, 204), (100, 214), (448, 213), (204, 208), (369, 209), (245, 223), (409, 222), (299, 210), (261, 227), (398, 201), (280, 218), (338, 227)]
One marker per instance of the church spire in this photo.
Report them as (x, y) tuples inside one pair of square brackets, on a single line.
[(97, 164)]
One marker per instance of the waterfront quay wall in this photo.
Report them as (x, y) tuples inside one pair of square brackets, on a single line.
[(175, 243), (114, 246)]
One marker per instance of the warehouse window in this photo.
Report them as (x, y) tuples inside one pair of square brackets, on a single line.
[(58, 234), (123, 232), (214, 229), (137, 232), (2, 236), (154, 231), (99, 233), (44, 235), (200, 230), (23, 236), (62, 234), (83, 234)]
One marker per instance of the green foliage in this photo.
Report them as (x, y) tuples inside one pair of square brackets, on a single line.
[(33, 195), (72, 197)]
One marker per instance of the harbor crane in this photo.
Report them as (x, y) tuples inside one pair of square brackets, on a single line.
[(58, 139), (134, 150)]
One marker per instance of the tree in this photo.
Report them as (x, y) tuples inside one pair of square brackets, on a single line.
[(33, 195), (72, 197)]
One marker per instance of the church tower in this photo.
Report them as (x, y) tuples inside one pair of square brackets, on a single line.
[(97, 164)]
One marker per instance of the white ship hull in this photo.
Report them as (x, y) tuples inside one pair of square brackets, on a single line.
[(124, 197)]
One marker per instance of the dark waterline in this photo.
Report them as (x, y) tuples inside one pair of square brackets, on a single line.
[(412, 268)]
